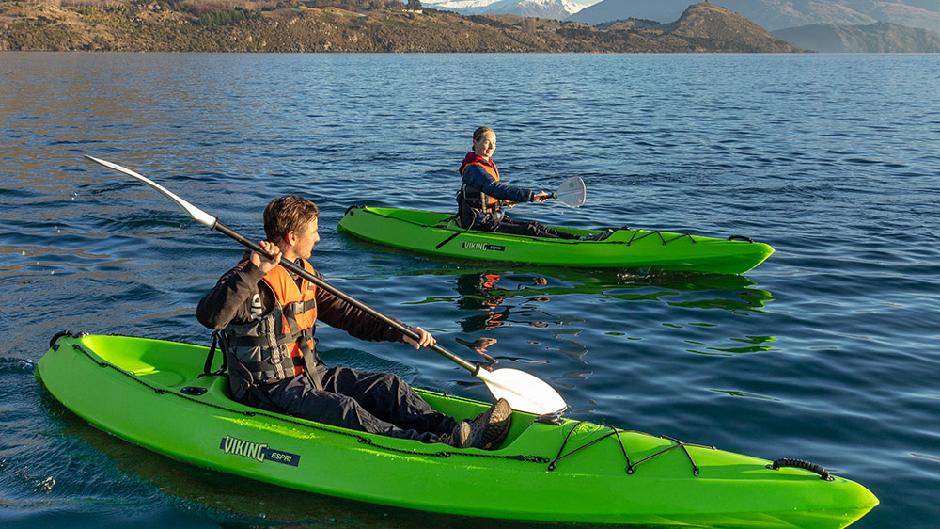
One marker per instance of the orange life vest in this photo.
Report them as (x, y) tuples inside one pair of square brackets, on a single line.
[(474, 197), (298, 308), (279, 344)]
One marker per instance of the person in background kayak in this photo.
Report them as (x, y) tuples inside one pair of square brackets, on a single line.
[(266, 318), (483, 197)]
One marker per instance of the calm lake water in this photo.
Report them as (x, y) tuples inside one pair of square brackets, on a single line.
[(829, 351)]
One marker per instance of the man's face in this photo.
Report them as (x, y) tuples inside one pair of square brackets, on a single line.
[(307, 238)]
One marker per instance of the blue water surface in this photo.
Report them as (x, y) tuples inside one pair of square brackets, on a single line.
[(827, 352)]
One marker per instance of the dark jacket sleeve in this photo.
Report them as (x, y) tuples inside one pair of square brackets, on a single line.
[(230, 299), (475, 176), (341, 314)]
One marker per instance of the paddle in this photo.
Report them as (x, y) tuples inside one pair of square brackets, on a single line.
[(523, 391), (572, 192)]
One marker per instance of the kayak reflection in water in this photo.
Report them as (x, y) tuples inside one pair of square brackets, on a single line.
[(266, 318), (483, 196), (475, 294)]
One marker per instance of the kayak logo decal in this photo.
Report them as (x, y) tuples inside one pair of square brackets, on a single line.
[(483, 246), (257, 451)]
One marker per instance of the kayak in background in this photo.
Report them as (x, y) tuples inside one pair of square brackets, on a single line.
[(150, 392), (439, 234)]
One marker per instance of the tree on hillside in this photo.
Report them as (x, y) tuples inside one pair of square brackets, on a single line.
[(414, 4)]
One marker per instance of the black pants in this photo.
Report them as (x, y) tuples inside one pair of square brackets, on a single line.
[(535, 229), (378, 403), (518, 227)]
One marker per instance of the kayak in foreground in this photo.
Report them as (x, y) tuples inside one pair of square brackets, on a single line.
[(149, 392), (438, 234)]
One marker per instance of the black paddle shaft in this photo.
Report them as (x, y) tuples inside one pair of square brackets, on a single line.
[(241, 239)]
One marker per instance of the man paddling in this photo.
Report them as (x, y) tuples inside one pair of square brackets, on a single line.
[(267, 317)]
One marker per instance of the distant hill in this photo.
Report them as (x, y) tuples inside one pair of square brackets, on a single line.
[(711, 23), (136, 26), (778, 14), (871, 38)]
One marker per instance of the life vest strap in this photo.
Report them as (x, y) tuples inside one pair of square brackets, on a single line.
[(207, 368), (263, 371), (261, 341), (300, 307)]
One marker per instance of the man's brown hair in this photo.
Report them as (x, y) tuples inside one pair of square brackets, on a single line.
[(288, 214)]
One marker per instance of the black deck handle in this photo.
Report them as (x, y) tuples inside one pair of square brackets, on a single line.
[(56, 336), (354, 206), (800, 463), (70, 334)]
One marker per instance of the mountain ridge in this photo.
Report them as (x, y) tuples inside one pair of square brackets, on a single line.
[(881, 37), (778, 14), (156, 27)]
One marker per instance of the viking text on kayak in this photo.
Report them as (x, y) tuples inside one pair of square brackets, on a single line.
[(257, 451)]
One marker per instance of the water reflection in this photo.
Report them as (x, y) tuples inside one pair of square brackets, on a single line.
[(477, 295), (479, 346), (601, 313), (488, 289), (755, 344)]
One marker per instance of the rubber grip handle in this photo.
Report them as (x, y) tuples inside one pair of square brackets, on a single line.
[(800, 463)]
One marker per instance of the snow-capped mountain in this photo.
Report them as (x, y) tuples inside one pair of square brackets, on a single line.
[(462, 6), (556, 9)]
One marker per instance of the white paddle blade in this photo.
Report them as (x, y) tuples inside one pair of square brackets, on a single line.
[(523, 391), (201, 216), (572, 192)]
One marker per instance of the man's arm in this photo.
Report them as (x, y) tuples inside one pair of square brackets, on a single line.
[(230, 299)]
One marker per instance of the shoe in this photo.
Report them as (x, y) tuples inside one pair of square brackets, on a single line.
[(599, 236), (460, 437), (497, 426), (486, 431)]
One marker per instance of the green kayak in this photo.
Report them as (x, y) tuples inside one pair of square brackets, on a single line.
[(438, 234), (148, 392)]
